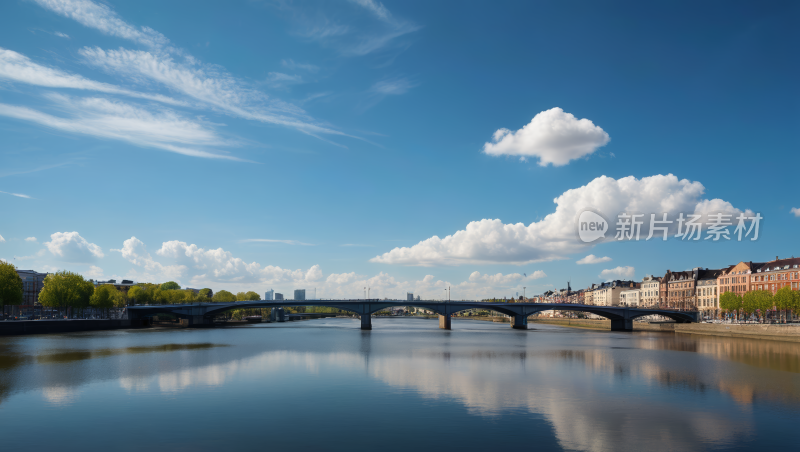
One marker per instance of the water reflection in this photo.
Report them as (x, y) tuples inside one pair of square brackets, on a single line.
[(79, 355), (597, 391)]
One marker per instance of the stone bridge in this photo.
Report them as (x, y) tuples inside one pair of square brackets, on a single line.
[(200, 314)]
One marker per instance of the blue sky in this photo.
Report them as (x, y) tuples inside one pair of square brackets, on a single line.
[(256, 145)]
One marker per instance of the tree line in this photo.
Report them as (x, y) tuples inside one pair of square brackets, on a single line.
[(71, 292), (760, 303)]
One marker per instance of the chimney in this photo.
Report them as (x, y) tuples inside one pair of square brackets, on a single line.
[(776, 257)]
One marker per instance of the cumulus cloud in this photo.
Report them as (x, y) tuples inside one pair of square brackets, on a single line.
[(71, 247), (103, 118), (501, 279), (618, 272), (796, 211), (553, 136), (19, 68), (102, 18), (554, 237), (195, 266), (592, 259), (95, 272), (31, 239)]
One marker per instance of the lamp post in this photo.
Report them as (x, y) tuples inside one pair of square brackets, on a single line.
[(523, 295), (365, 293)]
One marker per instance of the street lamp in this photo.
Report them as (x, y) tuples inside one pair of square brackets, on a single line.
[(523, 295)]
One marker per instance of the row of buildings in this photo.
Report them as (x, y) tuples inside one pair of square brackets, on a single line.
[(695, 289)]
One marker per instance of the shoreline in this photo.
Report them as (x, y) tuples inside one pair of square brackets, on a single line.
[(772, 332)]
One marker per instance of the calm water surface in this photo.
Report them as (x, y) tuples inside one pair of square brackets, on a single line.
[(326, 385)]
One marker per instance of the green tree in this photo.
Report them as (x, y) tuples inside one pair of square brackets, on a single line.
[(223, 296), (170, 285), (750, 302), (204, 295), (137, 294), (190, 296), (64, 289), (730, 302), (783, 299), (251, 296), (10, 286), (104, 297)]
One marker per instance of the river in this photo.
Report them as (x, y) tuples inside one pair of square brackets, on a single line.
[(406, 385)]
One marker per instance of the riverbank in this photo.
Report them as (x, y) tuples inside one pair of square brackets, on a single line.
[(18, 327), (784, 333)]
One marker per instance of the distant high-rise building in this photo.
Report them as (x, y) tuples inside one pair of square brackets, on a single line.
[(418, 298), (269, 295), (409, 296), (299, 294), (279, 296), (32, 284)]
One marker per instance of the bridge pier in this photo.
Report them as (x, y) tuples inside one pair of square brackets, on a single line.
[(196, 321), (621, 324), (366, 321), (519, 322), (444, 322)]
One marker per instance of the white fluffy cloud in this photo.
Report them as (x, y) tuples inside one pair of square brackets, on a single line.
[(554, 237), (71, 247), (796, 211), (30, 239), (2, 239), (553, 136), (618, 272), (592, 259), (193, 266), (501, 279), (94, 272), (135, 251)]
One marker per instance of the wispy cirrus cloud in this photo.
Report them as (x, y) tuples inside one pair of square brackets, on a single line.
[(104, 19), (281, 80), (103, 118), (293, 65), (206, 84), (287, 242), (19, 68), (177, 70), (18, 195), (369, 28)]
